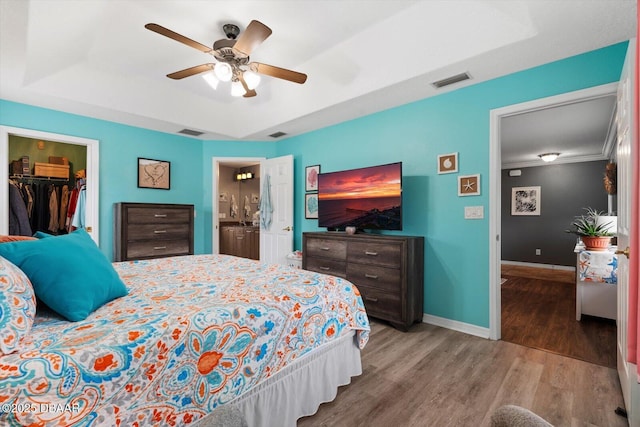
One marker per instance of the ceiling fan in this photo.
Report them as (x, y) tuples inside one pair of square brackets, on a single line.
[(233, 59)]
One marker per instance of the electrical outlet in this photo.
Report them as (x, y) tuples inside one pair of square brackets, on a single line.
[(538, 252)]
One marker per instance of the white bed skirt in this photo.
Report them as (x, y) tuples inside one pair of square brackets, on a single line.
[(300, 388)]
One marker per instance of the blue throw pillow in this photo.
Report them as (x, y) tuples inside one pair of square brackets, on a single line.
[(42, 235), (68, 272)]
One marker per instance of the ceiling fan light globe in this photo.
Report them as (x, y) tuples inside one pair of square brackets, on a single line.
[(223, 71), (251, 79), (211, 79), (237, 89)]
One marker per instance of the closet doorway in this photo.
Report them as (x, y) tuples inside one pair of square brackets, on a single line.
[(7, 134)]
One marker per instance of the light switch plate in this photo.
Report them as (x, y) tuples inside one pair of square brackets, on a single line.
[(473, 212)]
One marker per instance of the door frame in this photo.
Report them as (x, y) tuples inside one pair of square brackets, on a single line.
[(215, 178), (92, 218), (495, 184)]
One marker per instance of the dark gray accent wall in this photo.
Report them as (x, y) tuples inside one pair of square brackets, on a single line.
[(565, 190)]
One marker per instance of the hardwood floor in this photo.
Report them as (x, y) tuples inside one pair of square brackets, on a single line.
[(431, 376), (538, 310)]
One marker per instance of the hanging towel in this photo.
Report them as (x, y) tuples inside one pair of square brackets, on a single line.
[(247, 207), (265, 203), (234, 207)]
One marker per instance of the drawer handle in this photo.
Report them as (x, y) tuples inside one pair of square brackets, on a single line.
[(159, 231), (371, 276), (325, 268), (249, 231), (157, 248), (160, 215), (371, 253), (239, 237), (324, 249), (371, 299)]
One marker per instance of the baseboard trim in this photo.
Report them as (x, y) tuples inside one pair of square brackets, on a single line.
[(536, 265), (466, 328)]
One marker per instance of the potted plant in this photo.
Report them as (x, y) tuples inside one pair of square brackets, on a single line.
[(594, 233)]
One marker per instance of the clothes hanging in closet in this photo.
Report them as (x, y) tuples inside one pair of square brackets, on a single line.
[(18, 214), (42, 203), (77, 206)]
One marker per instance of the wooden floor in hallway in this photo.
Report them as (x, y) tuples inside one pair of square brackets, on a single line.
[(538, 311)]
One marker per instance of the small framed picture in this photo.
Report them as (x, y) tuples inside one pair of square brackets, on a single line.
[(255, 198), (311, 178), (448, 163), (311, 206), (223, 197), (154, 174), (469, 185), (525, 200)]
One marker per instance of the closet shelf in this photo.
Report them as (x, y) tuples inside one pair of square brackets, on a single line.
[(39, 178)]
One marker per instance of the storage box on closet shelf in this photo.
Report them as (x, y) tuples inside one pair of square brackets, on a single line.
[(294, 259), (51, 170)]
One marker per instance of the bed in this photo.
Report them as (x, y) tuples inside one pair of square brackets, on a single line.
[(193, 334)]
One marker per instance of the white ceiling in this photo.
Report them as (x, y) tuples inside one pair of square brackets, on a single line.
[(579, 131), (95, 58)]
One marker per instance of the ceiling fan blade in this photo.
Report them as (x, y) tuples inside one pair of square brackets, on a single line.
[(280, 73), (187, 72), (248, 92), (255, 33), (177, 37)]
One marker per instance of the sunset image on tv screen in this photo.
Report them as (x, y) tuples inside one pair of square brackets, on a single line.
[(367, 198)]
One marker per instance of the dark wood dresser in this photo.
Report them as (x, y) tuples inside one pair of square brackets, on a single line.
[(388, 270), (152, 230)]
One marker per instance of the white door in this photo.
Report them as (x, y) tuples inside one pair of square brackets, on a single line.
[(626, 370), (276, 240)]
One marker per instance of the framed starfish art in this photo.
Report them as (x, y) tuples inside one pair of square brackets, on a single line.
[(469, 185)]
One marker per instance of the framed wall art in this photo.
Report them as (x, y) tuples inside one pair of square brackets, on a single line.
[(448, 163), (469, 185), (311, 206), (154, 174), (525, 200), (311, 178)]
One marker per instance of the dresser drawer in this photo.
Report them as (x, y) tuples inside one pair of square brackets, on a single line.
[(150, 249), (142, 215), (335, 249), (327, 266), (380, 304), (157, 231), (386, 254), (384, 278)]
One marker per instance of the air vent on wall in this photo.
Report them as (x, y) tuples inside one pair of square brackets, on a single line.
[(191, 132), (277, 134), (451, 80)]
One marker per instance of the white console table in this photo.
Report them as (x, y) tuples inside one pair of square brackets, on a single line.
[(596, 283)]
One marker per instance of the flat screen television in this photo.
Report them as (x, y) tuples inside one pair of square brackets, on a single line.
[(366, 198)]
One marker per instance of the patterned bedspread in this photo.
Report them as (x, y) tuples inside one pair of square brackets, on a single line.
[(193, 333)]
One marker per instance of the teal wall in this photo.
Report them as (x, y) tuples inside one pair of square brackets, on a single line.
[(120, 147), (456, 250)]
